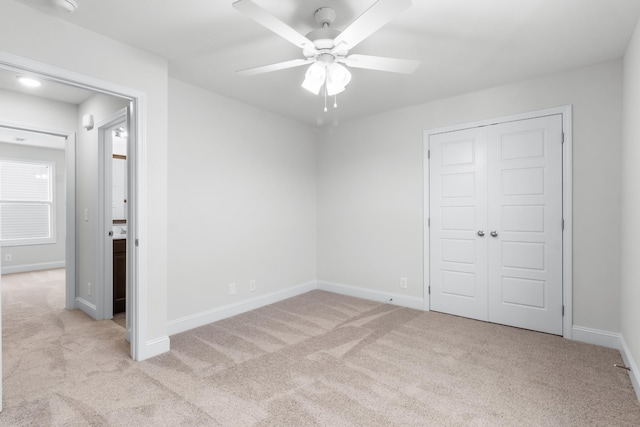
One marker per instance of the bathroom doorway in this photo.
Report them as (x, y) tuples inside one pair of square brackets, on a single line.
[(113, 140)]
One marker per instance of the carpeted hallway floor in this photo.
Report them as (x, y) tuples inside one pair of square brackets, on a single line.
[(319, 359)]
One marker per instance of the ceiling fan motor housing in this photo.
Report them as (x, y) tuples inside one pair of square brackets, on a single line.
[(322, 39), (325, 16)]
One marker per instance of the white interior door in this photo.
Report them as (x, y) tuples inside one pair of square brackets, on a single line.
[(525, 223), (458, 200), (495, 231)]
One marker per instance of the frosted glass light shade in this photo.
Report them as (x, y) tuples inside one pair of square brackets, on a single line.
[(315, 78), (338, 78)]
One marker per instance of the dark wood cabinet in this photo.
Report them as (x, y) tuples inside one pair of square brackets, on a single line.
[(119, 275)]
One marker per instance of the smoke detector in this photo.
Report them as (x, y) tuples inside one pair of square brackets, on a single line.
[(68, 6)]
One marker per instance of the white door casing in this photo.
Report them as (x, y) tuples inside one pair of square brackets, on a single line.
[(495, 213)]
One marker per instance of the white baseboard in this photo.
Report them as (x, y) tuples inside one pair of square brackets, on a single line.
[(89, 308), (596, 337), (154, 348), (368, 294), (203, 318), (629, 362), (32, 267)]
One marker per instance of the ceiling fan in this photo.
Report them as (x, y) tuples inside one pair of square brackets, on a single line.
[(327, 49)]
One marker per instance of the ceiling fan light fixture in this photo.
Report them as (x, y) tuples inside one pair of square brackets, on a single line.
[(325, 46), (338, 77), (315, 77)]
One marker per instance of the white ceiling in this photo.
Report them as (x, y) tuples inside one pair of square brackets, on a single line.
[(49, 89), (464, 45)]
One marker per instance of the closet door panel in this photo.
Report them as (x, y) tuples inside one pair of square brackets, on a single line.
[(458, 197), (525, 223)]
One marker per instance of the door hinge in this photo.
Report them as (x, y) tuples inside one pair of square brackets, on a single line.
[(137, 243), (429, 289), (563, 311), (562, 224), (428, 222), (428, 154), (563, 137)]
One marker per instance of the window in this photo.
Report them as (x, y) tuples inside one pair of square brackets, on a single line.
[(26, 203)]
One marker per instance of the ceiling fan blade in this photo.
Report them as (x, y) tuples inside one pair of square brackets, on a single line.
[(275, 67), (380, 63), (272, 23), (374, 18)]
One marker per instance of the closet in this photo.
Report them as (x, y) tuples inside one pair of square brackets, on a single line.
[(495, 223)]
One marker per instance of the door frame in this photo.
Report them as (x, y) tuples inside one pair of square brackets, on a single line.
[(137, 259), (104, 285), (567, 201), (70, 201)]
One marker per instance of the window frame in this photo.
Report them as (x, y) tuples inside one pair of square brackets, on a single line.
[(52, 239)]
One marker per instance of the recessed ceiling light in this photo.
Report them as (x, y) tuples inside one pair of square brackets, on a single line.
[(29, 81)]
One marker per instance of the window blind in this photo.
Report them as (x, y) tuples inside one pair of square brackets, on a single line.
[(26, 202)]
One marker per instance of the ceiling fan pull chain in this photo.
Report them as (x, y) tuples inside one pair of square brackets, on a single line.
[(335, 101), (325, 99)]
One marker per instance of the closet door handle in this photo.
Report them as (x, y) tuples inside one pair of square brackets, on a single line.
[(481, 233), (494, 234)]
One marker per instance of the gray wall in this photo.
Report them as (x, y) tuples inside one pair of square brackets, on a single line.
[(370, 191), (34, 112), (242, 202), (87, 148), (52, 255), (631, 201)]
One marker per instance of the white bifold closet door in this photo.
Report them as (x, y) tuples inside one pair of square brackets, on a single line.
[(496, 223)]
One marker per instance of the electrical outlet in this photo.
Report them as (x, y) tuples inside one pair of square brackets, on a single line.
[(8, 257), (232, 288), (403, 282), (89, 286), (252, 285)]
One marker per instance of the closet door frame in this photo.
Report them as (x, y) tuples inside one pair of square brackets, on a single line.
[(567, 197)]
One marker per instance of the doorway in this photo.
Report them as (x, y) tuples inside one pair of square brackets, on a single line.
[(497, 205), (47, 241), (113, 141), (137, 100)]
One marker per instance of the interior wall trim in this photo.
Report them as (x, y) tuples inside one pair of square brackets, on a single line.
[(154, 347), (629, 362), (25, 268), (596, 337), (87, 307), (371, 295), (192, 321)]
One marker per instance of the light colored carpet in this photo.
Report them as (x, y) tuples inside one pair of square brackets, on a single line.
[(120, 319), (319, 359)]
